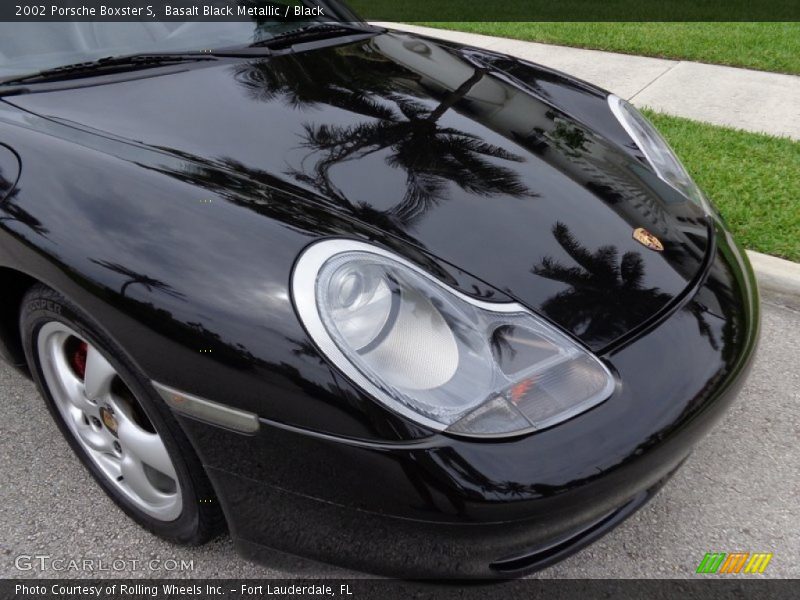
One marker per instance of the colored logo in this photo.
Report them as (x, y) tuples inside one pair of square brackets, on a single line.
[(736, 562), (646, 238), (108, 419)]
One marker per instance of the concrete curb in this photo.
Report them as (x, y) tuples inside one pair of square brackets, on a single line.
[(777, 278)]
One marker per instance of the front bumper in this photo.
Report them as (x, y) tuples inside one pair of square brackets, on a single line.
[(445, 507)]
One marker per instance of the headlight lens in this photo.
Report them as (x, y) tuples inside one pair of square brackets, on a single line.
[(436, 356), (657, 151)]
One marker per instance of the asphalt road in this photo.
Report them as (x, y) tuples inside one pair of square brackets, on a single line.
[(740, 491)]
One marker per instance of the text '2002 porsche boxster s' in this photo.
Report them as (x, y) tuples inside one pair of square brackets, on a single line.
[(367, 297)]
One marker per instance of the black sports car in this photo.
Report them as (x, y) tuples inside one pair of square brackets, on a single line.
[(375, 299)]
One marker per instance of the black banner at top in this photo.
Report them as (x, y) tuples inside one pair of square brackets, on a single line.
[(402, 10)]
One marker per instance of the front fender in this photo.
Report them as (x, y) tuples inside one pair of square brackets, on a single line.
[(187, 266)]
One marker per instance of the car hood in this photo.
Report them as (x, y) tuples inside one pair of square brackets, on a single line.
[(513, 173)]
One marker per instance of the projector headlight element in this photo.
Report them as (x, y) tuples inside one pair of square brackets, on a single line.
[(435, 355), (657, 151)]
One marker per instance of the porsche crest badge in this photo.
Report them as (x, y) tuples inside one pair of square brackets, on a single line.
[(108, 419), (645, 238)]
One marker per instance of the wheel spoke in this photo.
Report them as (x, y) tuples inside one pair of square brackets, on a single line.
[(77, 397), (99, 375), (96, 440), (136, 479), (73, 388), (111, 464), (144, 445)]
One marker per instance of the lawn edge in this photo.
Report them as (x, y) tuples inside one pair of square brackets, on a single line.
[(733, 65)]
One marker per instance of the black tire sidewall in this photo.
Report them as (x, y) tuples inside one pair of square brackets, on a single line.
[(41, 306)]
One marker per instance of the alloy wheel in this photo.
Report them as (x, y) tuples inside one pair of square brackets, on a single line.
[(108, 422)]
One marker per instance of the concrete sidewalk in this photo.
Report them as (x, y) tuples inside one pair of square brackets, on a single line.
[(751, 100)]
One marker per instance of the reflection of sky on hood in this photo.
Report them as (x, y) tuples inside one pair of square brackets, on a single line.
[(229, 272)]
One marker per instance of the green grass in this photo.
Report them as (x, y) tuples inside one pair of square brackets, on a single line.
[(762, 46), (753, 179)]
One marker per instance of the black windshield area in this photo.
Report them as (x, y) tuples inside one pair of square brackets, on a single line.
[(30, 47)]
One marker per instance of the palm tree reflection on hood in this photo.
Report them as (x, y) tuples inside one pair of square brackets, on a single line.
[(399, 118), (432, 155), (17, 213), (133, 277), (606, 298), (302, 84)]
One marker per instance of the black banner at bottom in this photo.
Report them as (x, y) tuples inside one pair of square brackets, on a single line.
[(358, 589)]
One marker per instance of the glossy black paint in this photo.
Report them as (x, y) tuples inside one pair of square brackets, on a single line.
[(435, 146), (10, 350), (447, 507), (172, 207)]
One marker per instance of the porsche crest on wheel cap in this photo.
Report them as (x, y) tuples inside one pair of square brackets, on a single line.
[(108, 420), (645, 238)]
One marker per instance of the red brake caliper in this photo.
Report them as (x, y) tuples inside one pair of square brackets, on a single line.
[(78, 359)]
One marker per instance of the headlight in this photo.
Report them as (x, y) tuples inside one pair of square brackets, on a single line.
[(436, 356), (657, 151)]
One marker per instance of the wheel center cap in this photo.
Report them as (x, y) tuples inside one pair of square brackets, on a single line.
[(108, 419)]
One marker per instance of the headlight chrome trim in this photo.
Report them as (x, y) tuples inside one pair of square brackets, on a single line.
[(626, 113), (304, 279)]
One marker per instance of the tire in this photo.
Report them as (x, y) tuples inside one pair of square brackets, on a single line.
[(125, 435)]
